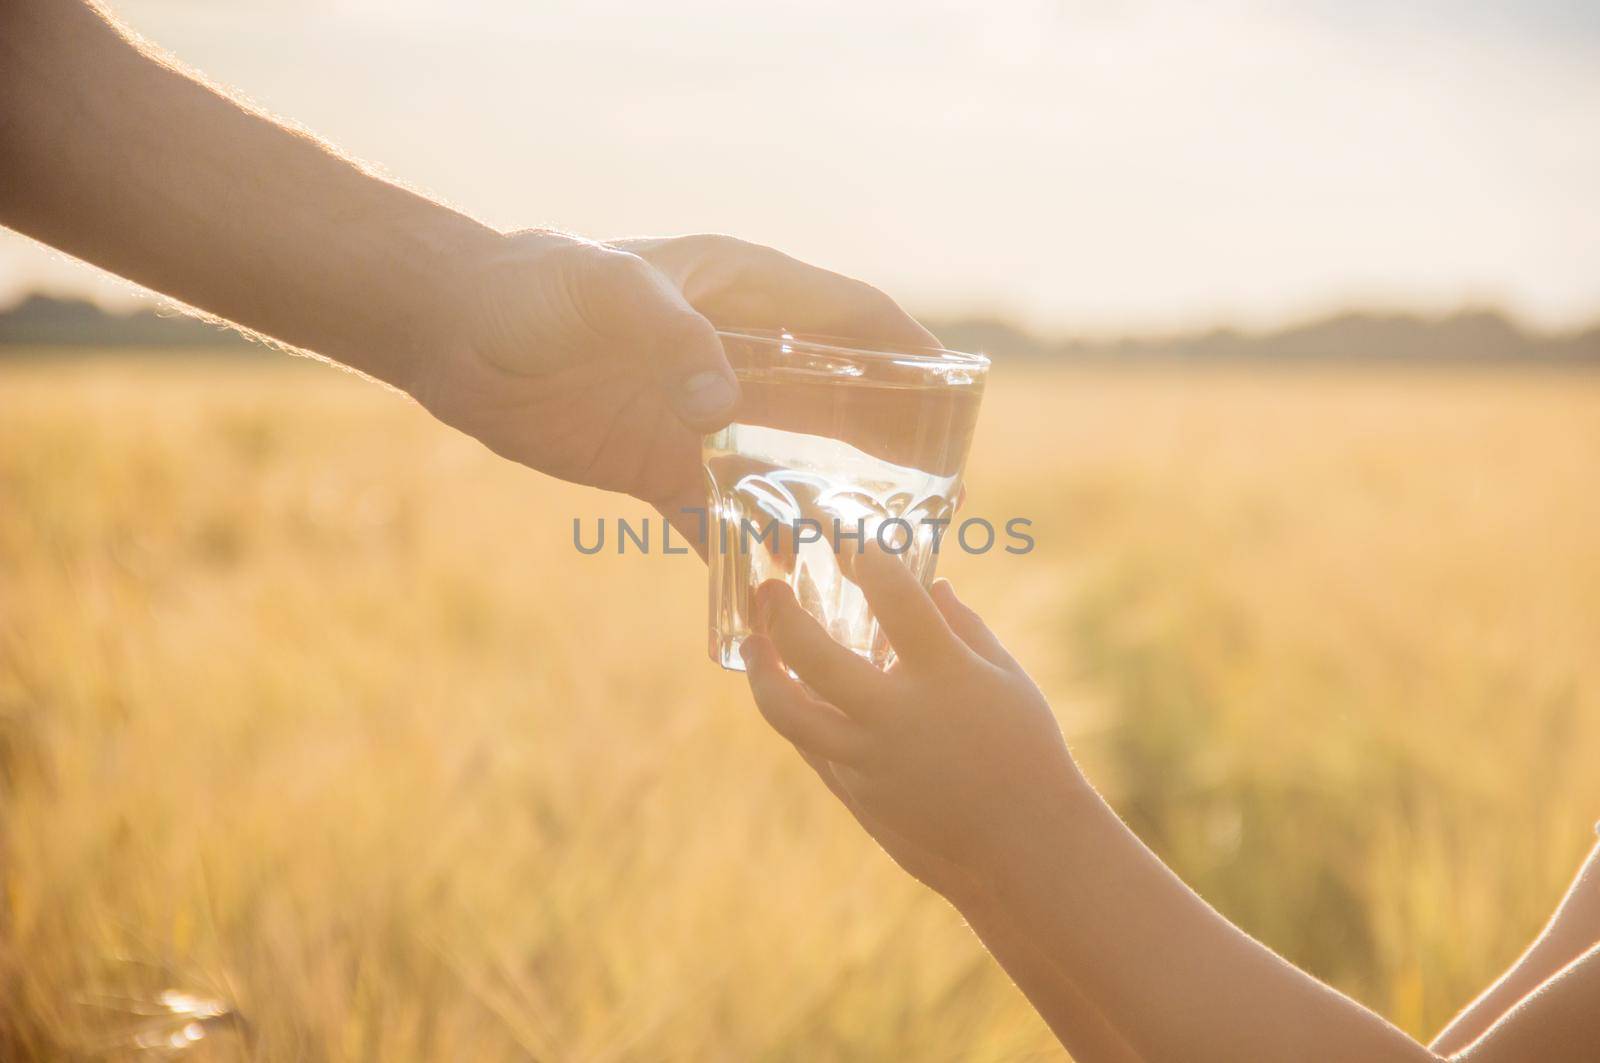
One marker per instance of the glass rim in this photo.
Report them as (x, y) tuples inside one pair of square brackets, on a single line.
[(916, 355)]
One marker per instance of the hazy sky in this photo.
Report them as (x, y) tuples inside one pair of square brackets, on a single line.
[(1087, 166)]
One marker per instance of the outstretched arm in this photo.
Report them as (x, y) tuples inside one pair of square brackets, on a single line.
[(1185, 984), (956, 751), (1080, 1025), (1559, 1022), (594, 363), (1071, 1016), (1571, 932), (117, 156)]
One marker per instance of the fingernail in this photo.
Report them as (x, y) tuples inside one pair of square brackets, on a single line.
[(706, 394), (746, 651)]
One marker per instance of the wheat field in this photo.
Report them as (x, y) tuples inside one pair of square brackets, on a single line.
[(320, 741)]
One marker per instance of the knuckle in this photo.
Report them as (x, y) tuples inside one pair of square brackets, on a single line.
[(721, 243), (790, 645), (785, 724), (854, 750), (685, 329), (774, 709), (602, 266), (868, 756), (622, 268), (879, 310)]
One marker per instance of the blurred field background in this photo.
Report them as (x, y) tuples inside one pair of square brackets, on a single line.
[(310, 711)]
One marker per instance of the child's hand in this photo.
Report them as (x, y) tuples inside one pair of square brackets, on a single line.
[(949, 756)]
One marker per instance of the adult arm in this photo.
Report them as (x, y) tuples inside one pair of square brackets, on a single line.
[(595, 363), (119, 157)]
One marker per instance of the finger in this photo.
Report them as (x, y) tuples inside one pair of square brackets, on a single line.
[(903, 609), (842, 677), (623, 295), (740, 284), (832, 776), (889, 840), (970, 628), (813, 725), (819, 300), (824, 769)]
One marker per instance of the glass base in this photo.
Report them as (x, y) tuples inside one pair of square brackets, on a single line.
[(725, 651)]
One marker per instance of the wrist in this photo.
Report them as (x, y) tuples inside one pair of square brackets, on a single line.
[(1050, 828), (437, 263)]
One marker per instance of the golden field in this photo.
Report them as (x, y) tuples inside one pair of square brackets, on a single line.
[(309, 708)]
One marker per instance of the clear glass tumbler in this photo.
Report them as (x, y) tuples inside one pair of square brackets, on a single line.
[(832, 446)]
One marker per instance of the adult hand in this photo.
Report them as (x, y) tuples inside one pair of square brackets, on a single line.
[(600, 364), (593, 363)]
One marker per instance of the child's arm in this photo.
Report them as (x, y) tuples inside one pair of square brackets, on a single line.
[(1080, 1026), (956, 751), (1571, 932), (1088, 1036)]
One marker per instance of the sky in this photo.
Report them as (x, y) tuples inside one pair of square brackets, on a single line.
[(1088, 167)]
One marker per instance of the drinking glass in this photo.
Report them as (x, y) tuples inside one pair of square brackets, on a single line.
[(832, 446)]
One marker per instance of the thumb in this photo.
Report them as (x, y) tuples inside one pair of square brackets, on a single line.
[(640, 307)]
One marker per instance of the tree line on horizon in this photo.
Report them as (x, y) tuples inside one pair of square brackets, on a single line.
[(1476, 335)]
